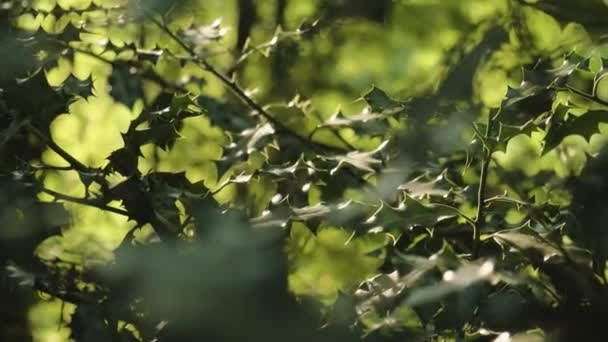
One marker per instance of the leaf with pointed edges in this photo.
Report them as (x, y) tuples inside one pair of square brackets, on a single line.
[(453, 281), (417, 188), (254, 138), (585, 125), (33, 96), (428, 215), (379, 101), (339, 119), (569, 64), (282, 170), (247, 142), (145, 206), (176, 185), (360, 160), (162, 135), (75, 87), (151, 56), (581, 81), (205, 34), (310, 212), (506, 132), (134, 198), (381, 292), (224, 115), (344, 310), (366, 121), (126, 84), (527, 240), (124, 161), (525, 103), (515, 95), (165, 188)]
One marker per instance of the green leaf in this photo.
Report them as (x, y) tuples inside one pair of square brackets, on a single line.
[(506, 132), (224, 115), (581, 81), (379, 101), (126, 84), (360, 160), (418, 189), (344, 310), (33, 97), (428, 215), (367, 122), (162, 135), (526, 240), (75, 87), (601, 87), (585, 125), (124, 161), (453, 281), (205, 34), (525, 103)]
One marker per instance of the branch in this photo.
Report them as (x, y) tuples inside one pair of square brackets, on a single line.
[(74, 163), (483, 179), (84, 201), (239, 92)]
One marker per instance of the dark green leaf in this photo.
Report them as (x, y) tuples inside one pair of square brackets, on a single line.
[(379, 101), (585, 125), (126, 84)]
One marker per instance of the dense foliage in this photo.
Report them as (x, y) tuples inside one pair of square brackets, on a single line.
[(165, 176)]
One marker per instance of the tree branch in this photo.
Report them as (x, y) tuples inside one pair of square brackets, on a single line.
[(483, 179), (84, 201), (75, 163), (239, 92)]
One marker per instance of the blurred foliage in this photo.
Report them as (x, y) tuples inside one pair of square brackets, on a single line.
[(315, 170)]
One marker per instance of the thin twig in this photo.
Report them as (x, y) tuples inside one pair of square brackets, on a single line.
[(50, 167), (483, 179), (239, 92), (84, 201), (74, 163)]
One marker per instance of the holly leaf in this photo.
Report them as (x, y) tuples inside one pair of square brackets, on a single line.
[(506, 132), (247, 142), (528, 241), (453, 281), (126, 84), (418, 188), (162, 135), (358, 159), (585, 125), (525, 103), (203, 35), (408, 214), (581, 81), (33, 96), (124, 161), (428, 215), (379, 101), (75, 87), (224, 115)]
